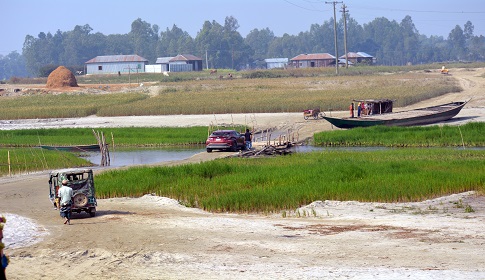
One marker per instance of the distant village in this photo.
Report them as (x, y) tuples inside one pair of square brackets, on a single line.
[(118, 64)]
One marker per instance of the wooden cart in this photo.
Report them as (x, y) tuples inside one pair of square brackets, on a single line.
[(312, 113)]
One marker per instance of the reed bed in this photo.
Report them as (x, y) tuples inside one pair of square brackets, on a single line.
[(64, 105), (209, 96), (280, 183), (130, 136), (284, 95), (468, 135), (26, 160)]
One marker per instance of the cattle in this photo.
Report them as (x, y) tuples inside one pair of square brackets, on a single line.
[(213, 71)]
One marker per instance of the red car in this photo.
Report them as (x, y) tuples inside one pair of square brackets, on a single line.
[(225, 140)]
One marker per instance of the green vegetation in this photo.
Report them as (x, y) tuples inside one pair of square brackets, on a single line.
[(470, 135), (277, 183), (212, 96), (130, 136), (25, 160), (63, 105)]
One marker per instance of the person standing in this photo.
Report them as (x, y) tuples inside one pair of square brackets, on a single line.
[(359, 108), (351, 108), (65, 193), (248, 137), (3, 258)]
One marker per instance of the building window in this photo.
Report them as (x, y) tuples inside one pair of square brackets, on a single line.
[(100, 68)]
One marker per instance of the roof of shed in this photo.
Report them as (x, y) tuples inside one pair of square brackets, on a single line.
[(276, 60), (117, 58), (313, 56), (185, 57), (357, 55), (164, 60)]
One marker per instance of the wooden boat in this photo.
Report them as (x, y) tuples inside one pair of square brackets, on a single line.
[(76, 148), (421, 116)]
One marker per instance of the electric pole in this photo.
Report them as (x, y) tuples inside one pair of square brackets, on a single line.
[(335, 33), (344, 11)]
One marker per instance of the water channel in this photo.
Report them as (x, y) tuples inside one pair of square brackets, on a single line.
[(139, 156)]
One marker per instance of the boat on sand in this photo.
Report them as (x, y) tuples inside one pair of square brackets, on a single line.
[(380, 113)]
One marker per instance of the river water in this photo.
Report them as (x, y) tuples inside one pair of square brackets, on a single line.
[(129, 157), (138, 156)]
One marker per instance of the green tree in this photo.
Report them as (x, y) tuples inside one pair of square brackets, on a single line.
[(145, 38), (259, 41), (410, 37), (175, 41), (12, 65), (457, 42), (117, 44)]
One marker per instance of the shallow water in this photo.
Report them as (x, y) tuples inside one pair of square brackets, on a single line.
[(138, 156), (128, 157)]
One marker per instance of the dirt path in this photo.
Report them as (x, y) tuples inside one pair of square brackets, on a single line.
[(156, 238)]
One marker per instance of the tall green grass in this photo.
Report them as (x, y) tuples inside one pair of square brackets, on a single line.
[(26, 160), (469, 135), (274, 184), (129, 136)]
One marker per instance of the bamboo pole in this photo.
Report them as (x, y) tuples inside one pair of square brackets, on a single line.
[(9, 167)]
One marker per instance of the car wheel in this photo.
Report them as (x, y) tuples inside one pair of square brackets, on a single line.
[(209, 150), (234, 146), (92, 212)]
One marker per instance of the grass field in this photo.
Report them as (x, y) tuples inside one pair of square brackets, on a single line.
[(130, 136), (241, 95), (26, 160), (468, 135), (277, 183)]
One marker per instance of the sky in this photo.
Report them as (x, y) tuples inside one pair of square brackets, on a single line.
[(30, 17)]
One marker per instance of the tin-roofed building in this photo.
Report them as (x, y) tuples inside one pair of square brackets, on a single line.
[(164, 62), (114, 64), (313, 60), (359, 57), (185, 63), (272, 63)]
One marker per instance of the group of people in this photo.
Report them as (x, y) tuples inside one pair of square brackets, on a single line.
[(362, 109)]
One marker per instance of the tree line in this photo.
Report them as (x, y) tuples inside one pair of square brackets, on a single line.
[(222, 46)]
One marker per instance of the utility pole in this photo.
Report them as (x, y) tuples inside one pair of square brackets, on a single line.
[(335, 33), (344, 11)]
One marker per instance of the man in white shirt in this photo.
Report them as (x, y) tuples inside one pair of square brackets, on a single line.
[(65, 193)]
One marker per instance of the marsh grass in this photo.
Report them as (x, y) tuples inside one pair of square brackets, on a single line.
[(62, 105), (211, 96), (275, 184), (284, 95), (469, 135), (25, 160), (130, 136)]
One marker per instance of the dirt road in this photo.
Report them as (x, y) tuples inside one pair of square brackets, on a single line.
[(156, 238)]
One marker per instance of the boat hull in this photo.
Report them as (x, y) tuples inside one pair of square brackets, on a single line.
[(77, 148), (422, 116)]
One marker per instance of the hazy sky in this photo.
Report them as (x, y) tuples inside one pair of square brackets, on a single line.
[(30, 17)]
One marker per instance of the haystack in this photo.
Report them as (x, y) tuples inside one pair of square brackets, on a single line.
[(61, 77)]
